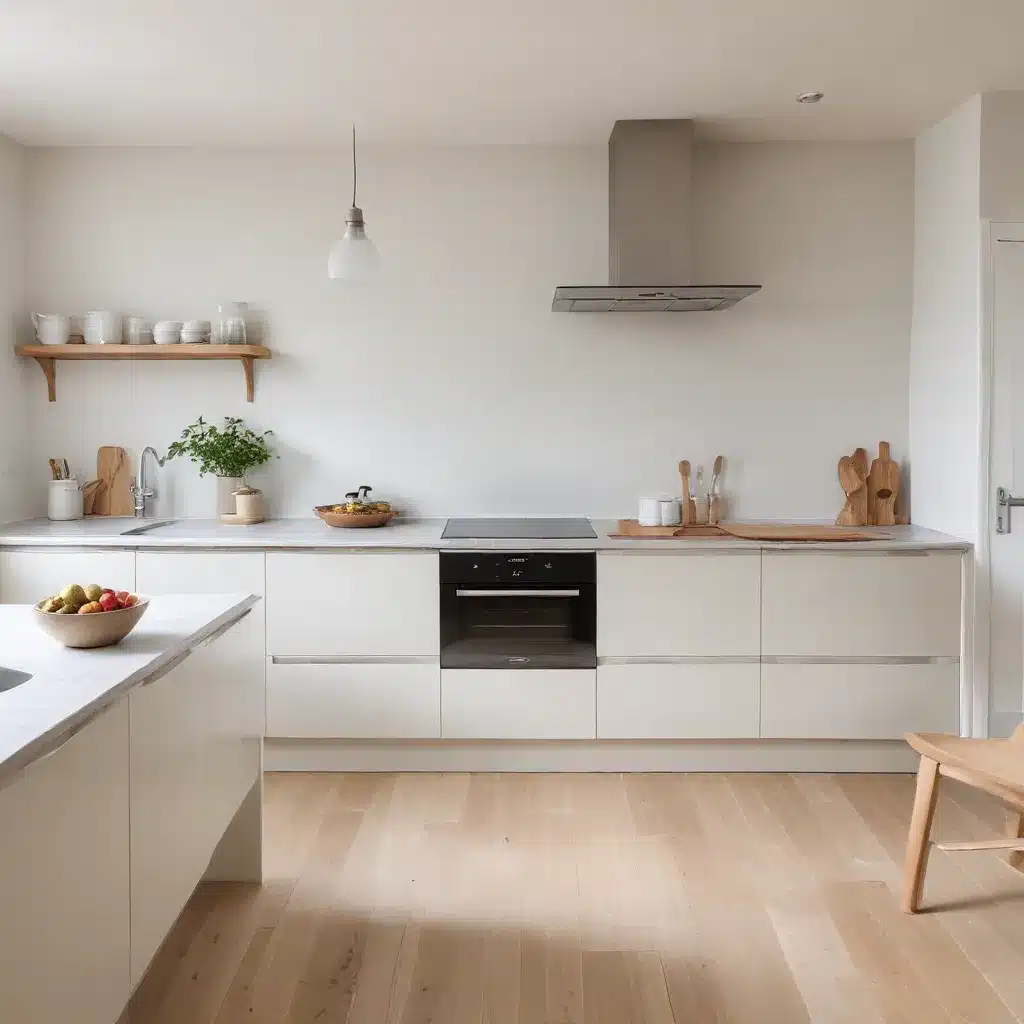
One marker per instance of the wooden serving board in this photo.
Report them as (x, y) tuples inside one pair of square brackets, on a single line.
[(114, 494), (746, 531)]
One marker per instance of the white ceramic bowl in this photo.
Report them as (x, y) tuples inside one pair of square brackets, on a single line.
[(166, 337), (196, 326), (195, 337)]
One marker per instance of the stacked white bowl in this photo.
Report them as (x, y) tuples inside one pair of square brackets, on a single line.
[(167, 332), (195, 332)]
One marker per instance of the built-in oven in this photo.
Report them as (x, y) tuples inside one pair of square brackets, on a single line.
[(528, 610)]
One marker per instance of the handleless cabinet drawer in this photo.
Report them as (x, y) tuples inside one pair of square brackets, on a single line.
[(677, 701), (353, 603), (675, 605), (509, 704), (353, 701), (858, 702), (853, 605)]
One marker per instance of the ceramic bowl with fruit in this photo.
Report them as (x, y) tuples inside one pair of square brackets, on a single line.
[(90, 616)]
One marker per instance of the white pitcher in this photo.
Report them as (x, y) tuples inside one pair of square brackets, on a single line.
[(51, 328)]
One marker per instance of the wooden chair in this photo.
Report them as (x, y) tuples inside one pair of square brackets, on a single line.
[(995, 766)]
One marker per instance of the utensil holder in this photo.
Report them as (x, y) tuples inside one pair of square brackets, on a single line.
[(64, 500)]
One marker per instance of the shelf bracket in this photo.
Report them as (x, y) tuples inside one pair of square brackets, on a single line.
[(50, 373), (250, 386)]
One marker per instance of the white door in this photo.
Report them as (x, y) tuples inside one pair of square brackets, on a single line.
[(1006, 525)]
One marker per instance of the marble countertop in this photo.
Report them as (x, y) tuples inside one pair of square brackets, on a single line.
[(68, 688), (311, 533)]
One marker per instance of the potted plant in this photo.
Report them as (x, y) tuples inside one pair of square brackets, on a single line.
[(229, 453)]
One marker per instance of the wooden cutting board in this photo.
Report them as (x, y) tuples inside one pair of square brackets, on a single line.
[(746, 531), (114, 473), (883, 488)]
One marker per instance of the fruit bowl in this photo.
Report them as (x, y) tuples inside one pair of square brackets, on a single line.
[(101, 629), (353, 520)]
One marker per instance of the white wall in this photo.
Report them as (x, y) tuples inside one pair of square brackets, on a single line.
[(15, 451), (452, 387), (1002, 156), (945, 344)]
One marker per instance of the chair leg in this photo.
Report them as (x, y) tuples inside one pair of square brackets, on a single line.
[(918, 839)]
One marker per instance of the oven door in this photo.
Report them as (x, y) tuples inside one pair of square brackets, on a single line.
[(518, 627)]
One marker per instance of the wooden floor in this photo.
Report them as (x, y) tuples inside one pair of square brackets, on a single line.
[(514, 899)]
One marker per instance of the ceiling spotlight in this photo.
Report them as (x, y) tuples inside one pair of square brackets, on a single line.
[(810, 97)]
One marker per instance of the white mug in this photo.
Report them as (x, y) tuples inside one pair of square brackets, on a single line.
[(51, 328), (649, 512), (102, 327), (671, 512)]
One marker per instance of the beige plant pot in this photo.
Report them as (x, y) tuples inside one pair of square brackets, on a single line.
[(226, 486)]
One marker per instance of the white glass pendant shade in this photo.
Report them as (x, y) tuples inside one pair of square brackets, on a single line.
[(353, 257)]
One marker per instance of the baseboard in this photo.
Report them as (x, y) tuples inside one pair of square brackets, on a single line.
[(1002, 723), (688, 756)]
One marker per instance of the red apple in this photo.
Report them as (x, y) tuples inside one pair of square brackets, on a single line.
[(121, 595), (131, 601), (109, 602), (106, 590)]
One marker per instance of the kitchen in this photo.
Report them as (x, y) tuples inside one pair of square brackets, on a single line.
[(394, 821)]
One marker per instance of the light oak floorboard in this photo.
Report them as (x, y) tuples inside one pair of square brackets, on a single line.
[(598, 899)]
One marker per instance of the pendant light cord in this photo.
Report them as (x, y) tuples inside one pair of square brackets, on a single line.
[(353, 164)]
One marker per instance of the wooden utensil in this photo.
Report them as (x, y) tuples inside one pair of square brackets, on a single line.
[(883, 477), (114, 495), (715, 501), (689, 506)]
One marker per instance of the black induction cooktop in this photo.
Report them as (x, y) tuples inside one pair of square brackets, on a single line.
[(527, 529)]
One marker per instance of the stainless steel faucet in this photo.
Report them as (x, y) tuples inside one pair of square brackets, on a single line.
[(141, 492)]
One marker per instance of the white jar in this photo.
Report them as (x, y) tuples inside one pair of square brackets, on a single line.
[(649, 512), (103, 327), (64, 500), (671, 512)]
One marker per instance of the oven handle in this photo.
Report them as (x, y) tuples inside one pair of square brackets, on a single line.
[(517, 593)]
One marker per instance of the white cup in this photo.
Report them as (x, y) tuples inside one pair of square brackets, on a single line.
[(649, 512), (671, 511), (51, 328)]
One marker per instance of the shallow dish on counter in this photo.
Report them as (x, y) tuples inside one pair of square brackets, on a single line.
[(101, 629), (353, 520)]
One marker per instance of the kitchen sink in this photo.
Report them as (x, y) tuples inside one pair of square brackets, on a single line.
[(155, 524), (11, 677)]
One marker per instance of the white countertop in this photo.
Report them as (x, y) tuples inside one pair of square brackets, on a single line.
[(425, 534), (70, 687)]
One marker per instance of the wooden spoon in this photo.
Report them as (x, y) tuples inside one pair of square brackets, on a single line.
[(689, 507)]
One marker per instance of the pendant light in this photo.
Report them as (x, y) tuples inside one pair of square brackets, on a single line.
[(353, 257)]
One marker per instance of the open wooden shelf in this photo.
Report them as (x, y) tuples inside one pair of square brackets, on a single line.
[(47, 355)]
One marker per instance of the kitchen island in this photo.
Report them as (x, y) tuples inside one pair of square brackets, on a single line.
[(711, 654), (127, 775)]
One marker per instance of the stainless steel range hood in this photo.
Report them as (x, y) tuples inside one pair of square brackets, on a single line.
[(650, 229)]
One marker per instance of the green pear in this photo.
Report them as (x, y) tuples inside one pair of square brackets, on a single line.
[(93, 592), (73, 595)]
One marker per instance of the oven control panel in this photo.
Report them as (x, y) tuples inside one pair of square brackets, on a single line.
[(533, 568)]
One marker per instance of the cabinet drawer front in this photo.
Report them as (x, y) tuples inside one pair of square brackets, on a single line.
[(353, 701), (655, 702), (499, 704), (677, 605), (855, 702), (28, 576), (848, 606), (353, 603)]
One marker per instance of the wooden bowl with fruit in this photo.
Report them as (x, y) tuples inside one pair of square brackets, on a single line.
[(91, 616)]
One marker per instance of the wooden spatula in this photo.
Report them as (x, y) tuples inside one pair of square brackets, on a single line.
[(689, 507)]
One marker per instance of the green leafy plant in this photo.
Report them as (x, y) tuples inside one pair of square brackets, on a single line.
[(232, 451)]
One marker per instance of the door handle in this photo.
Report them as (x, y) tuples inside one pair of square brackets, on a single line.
[(1004, 502)]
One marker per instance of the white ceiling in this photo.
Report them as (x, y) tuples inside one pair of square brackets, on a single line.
[(273, 72)]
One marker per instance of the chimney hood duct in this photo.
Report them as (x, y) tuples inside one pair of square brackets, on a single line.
[(650, 229)]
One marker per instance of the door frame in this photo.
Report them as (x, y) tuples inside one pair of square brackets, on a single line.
[(980, 725)]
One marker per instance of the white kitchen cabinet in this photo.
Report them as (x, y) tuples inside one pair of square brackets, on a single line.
[(825, 604), (28, 576), (691, 604), (195, 755), (711, 700), (239, 655), (64, 855), (364, 603), (510, 704), (354, 701), (858, 701)]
